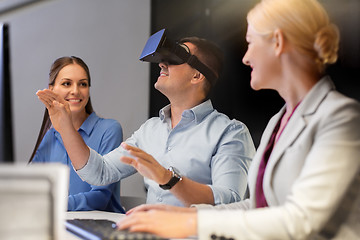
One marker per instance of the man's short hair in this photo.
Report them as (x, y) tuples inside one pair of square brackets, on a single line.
[(209, 54)]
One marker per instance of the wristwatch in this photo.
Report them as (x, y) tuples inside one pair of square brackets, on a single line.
[(176, 177)]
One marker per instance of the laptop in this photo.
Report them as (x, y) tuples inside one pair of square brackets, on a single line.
[(33, 201)]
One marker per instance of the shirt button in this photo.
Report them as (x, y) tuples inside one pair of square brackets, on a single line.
[(160, 199), (169, 149)]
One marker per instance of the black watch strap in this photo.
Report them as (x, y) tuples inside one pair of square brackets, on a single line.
[(176, 177)]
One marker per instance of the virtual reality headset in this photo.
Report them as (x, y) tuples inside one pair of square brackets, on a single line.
[(159, 48)]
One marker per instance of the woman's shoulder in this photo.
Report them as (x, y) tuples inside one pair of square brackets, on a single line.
[(325, 100), (339, 113), (338, 103), (104, 124)]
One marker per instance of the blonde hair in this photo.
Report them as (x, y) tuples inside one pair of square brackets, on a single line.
[(305, 23)]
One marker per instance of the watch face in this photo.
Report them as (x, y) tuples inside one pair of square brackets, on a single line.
[(175, 172)]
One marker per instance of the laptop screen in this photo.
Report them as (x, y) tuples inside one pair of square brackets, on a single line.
[(33, 201)]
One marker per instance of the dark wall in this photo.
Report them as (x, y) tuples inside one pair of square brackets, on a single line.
[(224, 22)]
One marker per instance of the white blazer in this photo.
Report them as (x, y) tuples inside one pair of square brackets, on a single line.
[(312, 179)]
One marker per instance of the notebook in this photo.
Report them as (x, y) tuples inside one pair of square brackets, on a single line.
[(33, 201)]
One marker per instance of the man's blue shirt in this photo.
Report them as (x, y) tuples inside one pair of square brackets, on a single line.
[(102, 135), (206, 146)]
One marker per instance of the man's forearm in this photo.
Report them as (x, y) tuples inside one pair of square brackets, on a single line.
[(190, 192), (76, 148)]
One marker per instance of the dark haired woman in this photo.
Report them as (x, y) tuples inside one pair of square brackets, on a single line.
[(70, 78)]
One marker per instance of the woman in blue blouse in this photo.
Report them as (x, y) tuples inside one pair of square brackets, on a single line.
[(70, 78)]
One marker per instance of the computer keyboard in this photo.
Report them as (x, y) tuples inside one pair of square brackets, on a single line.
[(101, 229)]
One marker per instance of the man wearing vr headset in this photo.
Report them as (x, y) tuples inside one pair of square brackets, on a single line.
[(190, 153)]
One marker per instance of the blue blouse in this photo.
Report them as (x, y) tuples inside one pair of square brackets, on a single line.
[(100, 134)]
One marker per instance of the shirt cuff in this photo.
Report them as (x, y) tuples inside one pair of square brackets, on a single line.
[(90, 168), (224, 195), (213, 224)]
